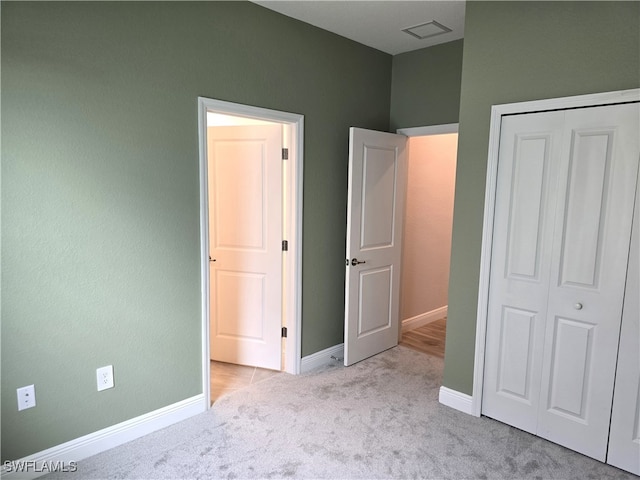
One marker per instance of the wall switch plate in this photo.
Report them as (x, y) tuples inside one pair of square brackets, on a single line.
[(104, 376), (26, 397)]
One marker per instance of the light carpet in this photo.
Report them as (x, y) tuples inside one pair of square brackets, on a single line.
[(377, 419)]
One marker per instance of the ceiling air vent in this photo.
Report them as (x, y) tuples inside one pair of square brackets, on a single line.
[(426, 30)]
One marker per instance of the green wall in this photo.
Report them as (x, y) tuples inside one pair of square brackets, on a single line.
[(519, 51), (425, 86), (99, 192), (100, 199)]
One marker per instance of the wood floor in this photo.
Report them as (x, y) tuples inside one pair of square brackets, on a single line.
[(226, 377), (427, 339)]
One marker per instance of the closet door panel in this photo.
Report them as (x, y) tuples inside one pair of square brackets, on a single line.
[(598, 173), (624, 437), (530, 146)]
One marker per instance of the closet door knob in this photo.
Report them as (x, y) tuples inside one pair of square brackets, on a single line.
[(578, 306)]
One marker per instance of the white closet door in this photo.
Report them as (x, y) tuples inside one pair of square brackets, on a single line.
[(624, 436), (564, 205), (530, 148), (598, 173)]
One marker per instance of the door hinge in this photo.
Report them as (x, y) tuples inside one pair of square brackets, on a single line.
[(285, 154), (285, 245), (284, 332)]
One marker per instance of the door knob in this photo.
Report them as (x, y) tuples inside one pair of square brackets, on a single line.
[(578, 306), (355, 262), (211, 259)]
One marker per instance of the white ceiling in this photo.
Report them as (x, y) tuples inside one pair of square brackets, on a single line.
[(377, 23)]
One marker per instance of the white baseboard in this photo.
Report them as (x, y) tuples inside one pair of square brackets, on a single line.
[(454, 399), (424, 318), (322, 358), (68, 453)]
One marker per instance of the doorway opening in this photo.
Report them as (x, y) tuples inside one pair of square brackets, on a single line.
[(426, 249), (246, 263)]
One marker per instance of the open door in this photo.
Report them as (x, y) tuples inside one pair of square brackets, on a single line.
[(245, 208), (375, 212)]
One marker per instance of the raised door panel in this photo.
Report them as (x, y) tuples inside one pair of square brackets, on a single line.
[(376, 286), (240, 300), (589, 264), (240, 181), (584, 216), (515, 365), (530, 162), (522, 237), (379, 176), (571, 361)]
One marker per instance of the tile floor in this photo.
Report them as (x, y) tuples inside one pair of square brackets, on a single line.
[(226, 377)]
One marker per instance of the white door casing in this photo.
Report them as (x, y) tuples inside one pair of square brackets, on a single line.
[(563, 208), (375, 213), (245, 236), (624, 437)]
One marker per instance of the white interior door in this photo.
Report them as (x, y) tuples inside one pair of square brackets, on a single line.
[(375, 212), (598, 174), (624, 437), (245, 238), (564, 203), (526, 192)]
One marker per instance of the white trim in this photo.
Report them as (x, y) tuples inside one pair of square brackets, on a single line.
[(429, 130), (566, 103), (110, 437), (457, 400), (424, 318), (322, 358), (497, 111), (204, 253), (485, 261), (292, 309)]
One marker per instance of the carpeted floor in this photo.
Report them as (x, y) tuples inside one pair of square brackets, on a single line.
[(377, 419)]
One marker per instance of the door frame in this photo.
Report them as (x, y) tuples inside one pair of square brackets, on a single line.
[(497, 112), (292, 270), (429, 130)]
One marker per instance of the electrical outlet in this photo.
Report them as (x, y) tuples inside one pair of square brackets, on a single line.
[(104, 377), (26, 397)]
